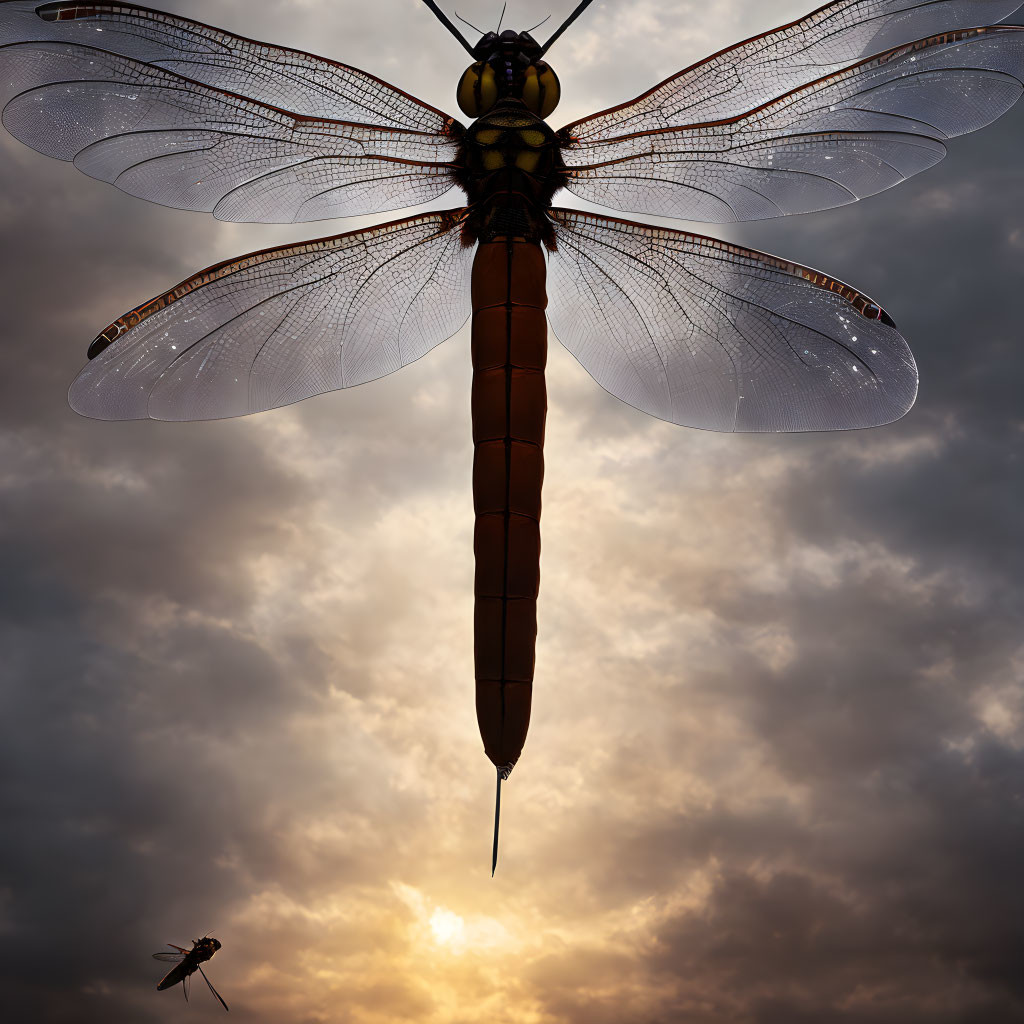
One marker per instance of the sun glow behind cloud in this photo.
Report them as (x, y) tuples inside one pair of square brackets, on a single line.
[(449, 929)]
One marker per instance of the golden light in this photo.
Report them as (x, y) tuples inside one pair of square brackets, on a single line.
[(448, 927)]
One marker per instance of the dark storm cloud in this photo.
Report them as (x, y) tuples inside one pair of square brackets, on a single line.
[(775, 774)]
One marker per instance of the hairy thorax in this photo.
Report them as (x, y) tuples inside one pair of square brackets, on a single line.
[(511, 167)]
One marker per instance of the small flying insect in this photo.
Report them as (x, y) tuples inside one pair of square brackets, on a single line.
[(186, 963)]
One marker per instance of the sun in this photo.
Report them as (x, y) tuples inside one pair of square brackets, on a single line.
[(448, 927)]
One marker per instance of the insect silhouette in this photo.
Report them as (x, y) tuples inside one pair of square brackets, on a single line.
[(187, 962), (850, 100)]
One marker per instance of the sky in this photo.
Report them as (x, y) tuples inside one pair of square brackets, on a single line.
[(775, 772)]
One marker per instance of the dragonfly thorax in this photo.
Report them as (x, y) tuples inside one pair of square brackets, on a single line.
[(510, 166), (508, 66), (511, 136)]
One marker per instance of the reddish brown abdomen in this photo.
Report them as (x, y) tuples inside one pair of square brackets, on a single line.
[(509, 408)]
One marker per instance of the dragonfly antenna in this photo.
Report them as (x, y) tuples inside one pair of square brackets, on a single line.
[(502, 18), (568, 21), (443, 18), (497, 814)]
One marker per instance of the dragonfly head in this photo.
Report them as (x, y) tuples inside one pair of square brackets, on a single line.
[(508, 66), (511, 45)]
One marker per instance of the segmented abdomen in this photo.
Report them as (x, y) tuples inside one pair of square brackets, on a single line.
[(509, 408)]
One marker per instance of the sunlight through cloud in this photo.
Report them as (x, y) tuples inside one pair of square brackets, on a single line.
[(448, 928)]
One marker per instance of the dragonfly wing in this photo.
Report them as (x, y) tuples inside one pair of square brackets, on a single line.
[(756, 71), (169, 957), (278, 326), (707, 334), (844, 137), (273, 75), (173, 141)]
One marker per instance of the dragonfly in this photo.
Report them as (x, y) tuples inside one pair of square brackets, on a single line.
[(844, 103), (187, 962)]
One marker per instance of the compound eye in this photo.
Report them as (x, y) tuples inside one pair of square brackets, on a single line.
[(477, 91), (541, 90)]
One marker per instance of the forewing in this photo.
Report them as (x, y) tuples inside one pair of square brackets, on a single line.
[(175, 142), (278, 326), (845, 137), (172, 958), (753, 72), (707, 334), (274, 75)]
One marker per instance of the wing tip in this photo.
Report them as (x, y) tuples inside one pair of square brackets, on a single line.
[(98, 345), (872, 311), (85, 403)]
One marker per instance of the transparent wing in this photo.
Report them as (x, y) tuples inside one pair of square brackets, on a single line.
[(172, 958), (161, 137), (837, 140), (758, 70), (707, 334), (278, 326), (273, 75)]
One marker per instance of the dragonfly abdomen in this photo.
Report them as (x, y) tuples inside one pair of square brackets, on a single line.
[(509, 404)]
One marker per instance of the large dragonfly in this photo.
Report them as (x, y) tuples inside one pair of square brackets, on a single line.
[(848, 101)]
